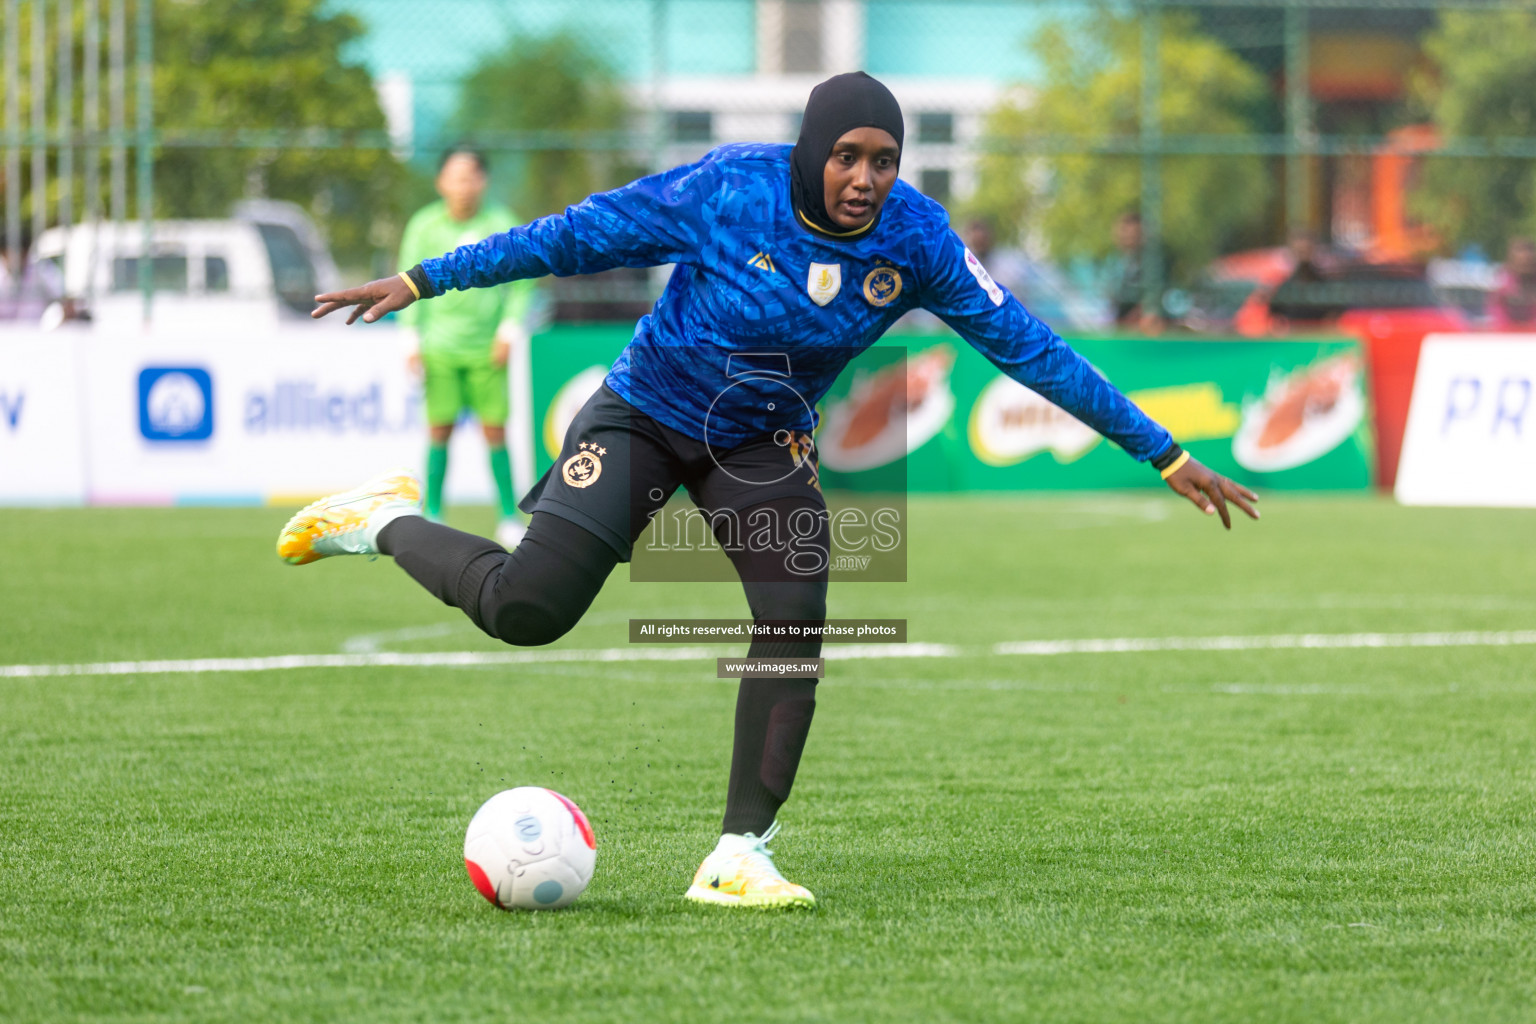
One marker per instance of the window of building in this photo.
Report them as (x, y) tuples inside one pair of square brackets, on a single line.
[(693, 126), (802, 36), (934, 183), (935, 126)]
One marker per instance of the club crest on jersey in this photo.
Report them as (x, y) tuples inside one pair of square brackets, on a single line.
[(824, 282), (583, 468), (882, 285)]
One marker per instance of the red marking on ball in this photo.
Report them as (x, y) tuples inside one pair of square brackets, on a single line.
[(581, 819), (477, 875)]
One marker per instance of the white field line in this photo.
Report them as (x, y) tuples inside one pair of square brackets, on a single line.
[(287, 662), (640, 652), (852, 652), (1283, 641)]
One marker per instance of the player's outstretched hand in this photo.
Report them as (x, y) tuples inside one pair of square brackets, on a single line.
[(1210, 491), (371, 300)]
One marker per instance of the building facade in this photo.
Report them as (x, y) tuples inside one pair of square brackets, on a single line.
[(705, 72)]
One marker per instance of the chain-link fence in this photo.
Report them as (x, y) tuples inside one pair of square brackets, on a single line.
[(1134, 161)]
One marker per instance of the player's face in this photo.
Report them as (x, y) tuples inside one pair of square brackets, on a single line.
[(859, 175), (461, 183)]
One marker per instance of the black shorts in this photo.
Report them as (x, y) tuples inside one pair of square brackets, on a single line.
[(618, 467)]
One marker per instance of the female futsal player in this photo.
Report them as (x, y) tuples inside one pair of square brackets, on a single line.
[(789, 261)]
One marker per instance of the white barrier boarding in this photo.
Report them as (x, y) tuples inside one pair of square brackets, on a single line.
[(42, 458), (1471, 435), (238, 417)]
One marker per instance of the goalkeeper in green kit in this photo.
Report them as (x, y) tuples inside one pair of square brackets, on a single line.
[(463, 343)]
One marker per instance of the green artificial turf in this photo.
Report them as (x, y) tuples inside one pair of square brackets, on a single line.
[(1285, 835)]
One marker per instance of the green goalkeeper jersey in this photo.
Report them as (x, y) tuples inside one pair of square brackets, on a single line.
[(460, 324)]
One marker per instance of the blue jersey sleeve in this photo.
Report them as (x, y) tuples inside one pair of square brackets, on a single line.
[(657, 219), (958, 289)]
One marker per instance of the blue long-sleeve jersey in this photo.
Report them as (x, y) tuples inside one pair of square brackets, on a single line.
[(752, 280)]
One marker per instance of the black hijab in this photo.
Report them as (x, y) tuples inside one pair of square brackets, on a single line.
[(836, 107)]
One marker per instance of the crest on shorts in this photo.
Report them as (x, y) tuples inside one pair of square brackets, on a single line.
[(824, 282), (583, 468), (882, 285), (801, 448)]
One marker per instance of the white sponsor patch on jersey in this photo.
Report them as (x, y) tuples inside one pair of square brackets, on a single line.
[(983, 278), (824, 282)]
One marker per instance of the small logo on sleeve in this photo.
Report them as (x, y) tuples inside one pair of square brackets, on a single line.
[(984, 279)]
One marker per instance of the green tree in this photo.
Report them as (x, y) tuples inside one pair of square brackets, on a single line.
[(1092, 73), (1483, 85), (221, 72), (561, 110), (242, 66)]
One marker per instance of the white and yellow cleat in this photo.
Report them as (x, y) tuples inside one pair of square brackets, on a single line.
[(349, 523), (740, 873)]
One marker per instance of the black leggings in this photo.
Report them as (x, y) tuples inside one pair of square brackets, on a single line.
[(530, 597), (535, 594)]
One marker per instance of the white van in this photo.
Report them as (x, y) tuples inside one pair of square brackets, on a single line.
[(262, 266)]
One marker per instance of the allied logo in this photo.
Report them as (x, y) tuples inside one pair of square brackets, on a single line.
[(824, 282), (762, 261), (175, 403), (583, 468), (882, 285)]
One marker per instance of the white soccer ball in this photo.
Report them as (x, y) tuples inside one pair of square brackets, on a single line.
[(529, 848)]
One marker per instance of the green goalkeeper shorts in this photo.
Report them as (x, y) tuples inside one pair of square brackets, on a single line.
[(453, 385)]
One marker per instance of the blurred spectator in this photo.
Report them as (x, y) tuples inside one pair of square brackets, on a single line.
[(1122, 271), (1306, 263), (28, 290), (1121, 276), (1513, 303), (1043, 289)]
